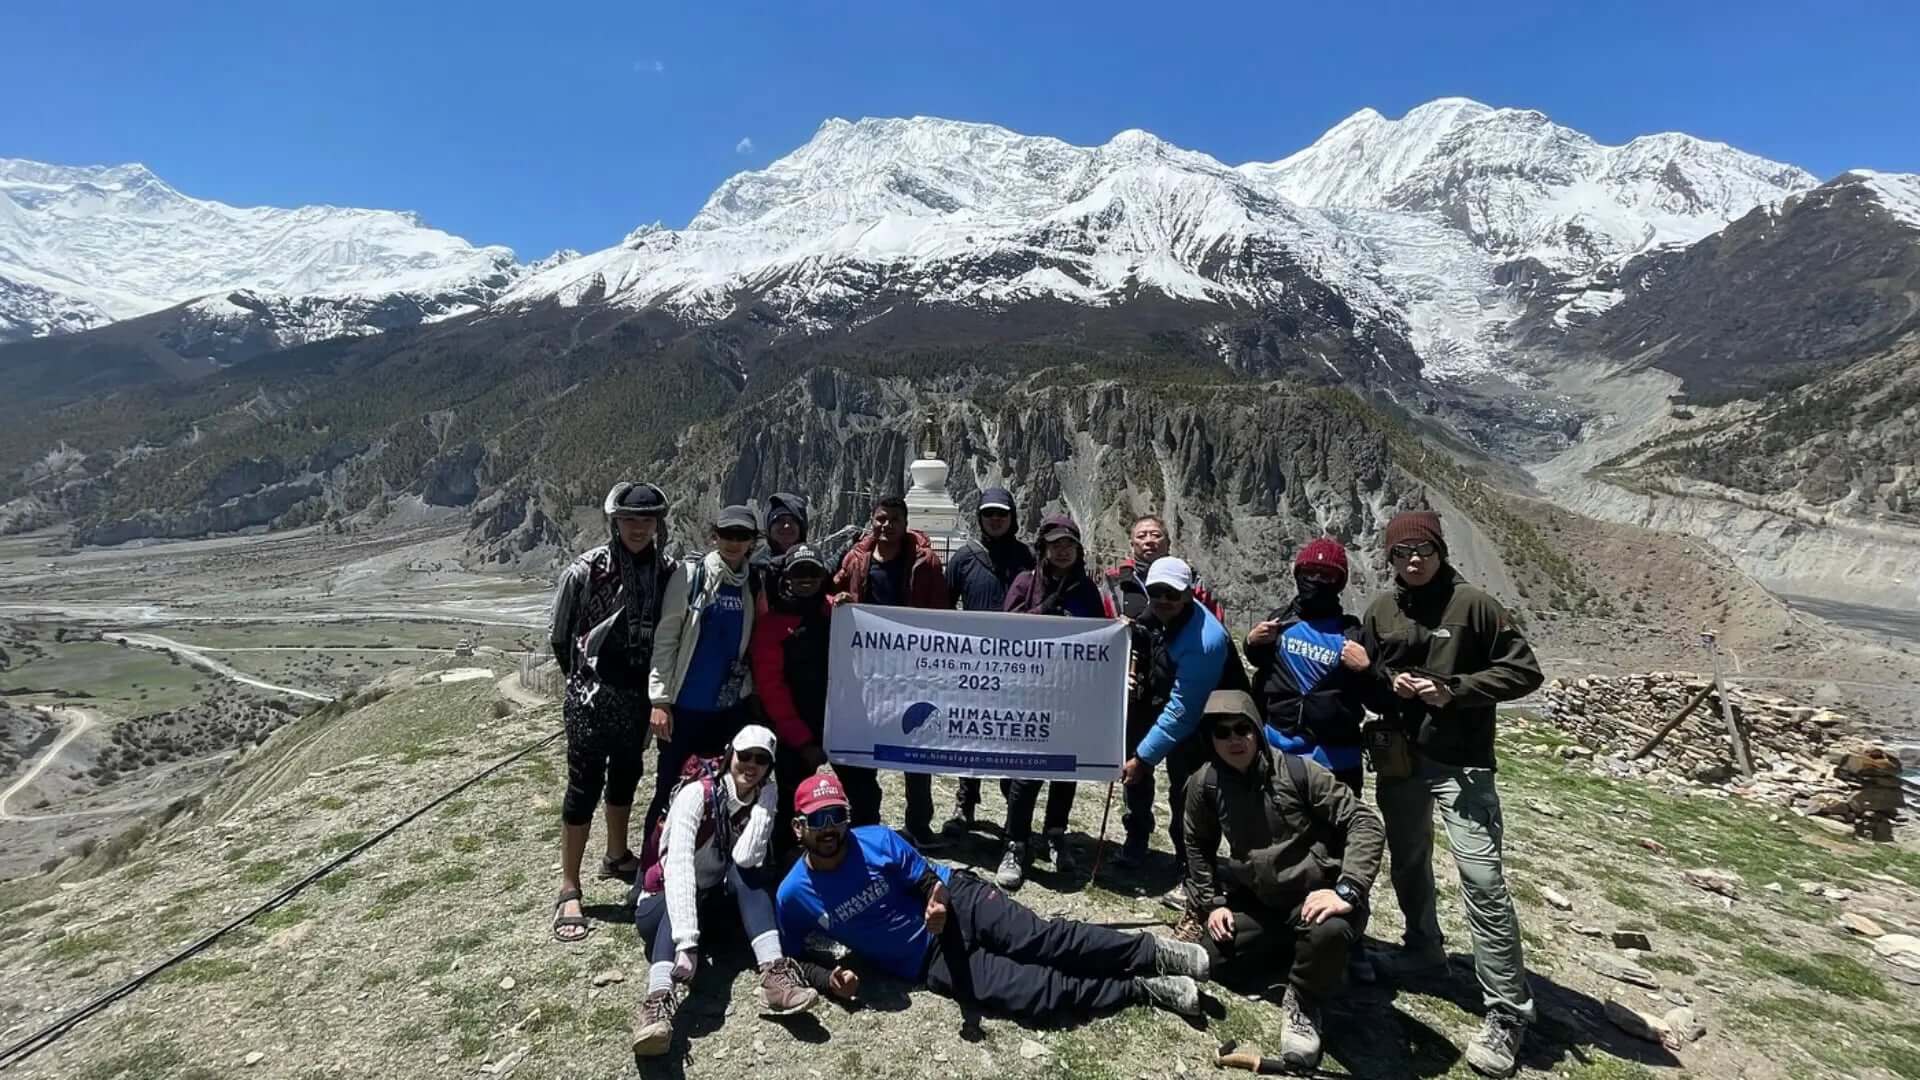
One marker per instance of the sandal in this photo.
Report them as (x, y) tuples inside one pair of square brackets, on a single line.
[(621, 869), (561, 922)]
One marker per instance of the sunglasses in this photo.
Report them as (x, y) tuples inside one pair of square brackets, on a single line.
[(755, 757), (738, 536), (827, 817), (1234, 731), (1426, 549), (1164, 592), (996, 513)]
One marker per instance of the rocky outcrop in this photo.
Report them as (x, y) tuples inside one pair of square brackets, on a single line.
[(253, 511)]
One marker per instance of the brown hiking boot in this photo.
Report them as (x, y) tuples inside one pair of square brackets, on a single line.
[(653, 1024), (782, 992)]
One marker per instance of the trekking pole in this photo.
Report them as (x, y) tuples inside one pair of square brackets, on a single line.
[(1100, 845)]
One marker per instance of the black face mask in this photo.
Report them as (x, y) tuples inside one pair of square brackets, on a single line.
[(1316, 598)]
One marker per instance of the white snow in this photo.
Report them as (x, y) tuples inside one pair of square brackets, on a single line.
[(1898, 192)]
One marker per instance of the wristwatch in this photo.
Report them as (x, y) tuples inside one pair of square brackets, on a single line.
[(1351, 893)]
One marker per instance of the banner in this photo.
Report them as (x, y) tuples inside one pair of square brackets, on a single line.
[(974, 693)]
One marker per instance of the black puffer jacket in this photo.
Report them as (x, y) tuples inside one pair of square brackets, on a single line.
[(1330, 713)]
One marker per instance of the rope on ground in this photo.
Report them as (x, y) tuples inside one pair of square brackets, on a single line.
[(52, 1033)]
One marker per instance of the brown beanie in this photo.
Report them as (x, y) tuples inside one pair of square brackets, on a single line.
[(1413, 526)]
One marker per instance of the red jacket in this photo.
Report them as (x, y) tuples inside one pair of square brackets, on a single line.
[(926, 584), (768, 655)]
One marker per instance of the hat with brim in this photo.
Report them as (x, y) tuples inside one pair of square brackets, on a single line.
[(737, 517), (628, 499), (817, 792), (1170, 571), (802, 556)]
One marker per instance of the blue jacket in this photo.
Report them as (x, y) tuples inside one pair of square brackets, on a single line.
[(1198, 653)]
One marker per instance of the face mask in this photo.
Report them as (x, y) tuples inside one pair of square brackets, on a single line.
[(1315, 596)]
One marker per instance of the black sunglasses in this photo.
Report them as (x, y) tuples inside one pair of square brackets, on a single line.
[(736, 535), (827, 817), (755, 757), (994, 511), (1234, 731), (1426, 549), (1164, 592)]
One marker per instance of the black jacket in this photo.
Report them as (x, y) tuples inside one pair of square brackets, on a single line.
[(1330, 715), (980, 573)]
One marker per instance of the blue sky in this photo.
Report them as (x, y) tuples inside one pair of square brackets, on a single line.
[(543, 126)]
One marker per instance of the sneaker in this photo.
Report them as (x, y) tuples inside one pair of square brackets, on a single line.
[(1176, 897), (1059, 853), (1173, 956), (1190, 929), (924, 838), (653, 1024), (1412, 964), (1300, 1039), (1013, 867), (1174, 993), (782, 991), (1495, 1050)]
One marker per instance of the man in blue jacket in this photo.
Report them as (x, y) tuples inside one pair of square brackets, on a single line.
[(1189, 656)]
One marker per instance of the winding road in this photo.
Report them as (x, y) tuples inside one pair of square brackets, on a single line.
[(201, 660), (82, 719)]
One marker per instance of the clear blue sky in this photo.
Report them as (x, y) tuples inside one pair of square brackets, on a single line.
[(548, 125)]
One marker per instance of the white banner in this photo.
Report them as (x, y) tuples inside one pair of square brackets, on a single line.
[(974, 693)]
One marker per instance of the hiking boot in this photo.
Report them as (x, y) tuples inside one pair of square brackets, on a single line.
[(1176, 897), (1174, 993), (1190, 929), (1059, 853), (924, 838), (1300, 1039), (653, 1024), (961, 823), (1013, 867), (1132, 854), (1495, 1050), (1412, 965), (782, 991), (1174, 956)]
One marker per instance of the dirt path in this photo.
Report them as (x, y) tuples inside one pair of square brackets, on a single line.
[(200, 659), (511, 689), (82, 720)]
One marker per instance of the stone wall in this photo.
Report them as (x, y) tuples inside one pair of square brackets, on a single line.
[(1806, 757)]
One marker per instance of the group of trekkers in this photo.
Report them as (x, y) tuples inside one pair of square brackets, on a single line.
[(721, 658)]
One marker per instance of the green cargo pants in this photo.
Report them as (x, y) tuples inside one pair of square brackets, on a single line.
[(1470, 810)]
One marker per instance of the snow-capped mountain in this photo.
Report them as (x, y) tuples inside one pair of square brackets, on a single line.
[(932, 211), (80, 247)]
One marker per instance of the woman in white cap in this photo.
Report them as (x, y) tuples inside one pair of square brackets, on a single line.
[(714, 843)]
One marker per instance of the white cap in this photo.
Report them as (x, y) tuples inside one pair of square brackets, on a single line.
[(1167, 570), (754, 737)]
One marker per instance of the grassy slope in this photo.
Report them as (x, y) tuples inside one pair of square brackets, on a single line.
[(397, 965)]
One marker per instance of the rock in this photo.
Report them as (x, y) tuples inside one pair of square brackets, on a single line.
[(611, 975), (507, 983), (1653, 845), (1856, 923), (1631, 939), (1683, 1027), (1543, 809), (1901, 949), (1614, 968), (1774, 887), (1553, 897), (254, 1058), (1587, 931), (507, 1064), (1838, 828), (1636, 1023), (1030, 1050), (1575, 750), (1714, 881), (760, 1047)]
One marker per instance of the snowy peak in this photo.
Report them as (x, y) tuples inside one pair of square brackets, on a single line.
[(1524, 188), (1896, 193), (84, 245)]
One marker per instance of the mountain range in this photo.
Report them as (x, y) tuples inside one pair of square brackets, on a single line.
[(1507, 286)]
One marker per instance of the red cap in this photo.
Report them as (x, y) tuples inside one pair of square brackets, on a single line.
[(817, 791), (1323, 554)]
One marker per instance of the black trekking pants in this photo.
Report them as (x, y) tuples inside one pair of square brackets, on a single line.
[(996, 953), (606, 730), (695, 733), (1261, 933), (1024, 795)]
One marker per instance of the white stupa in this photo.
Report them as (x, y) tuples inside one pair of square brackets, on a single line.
[(929, 508)]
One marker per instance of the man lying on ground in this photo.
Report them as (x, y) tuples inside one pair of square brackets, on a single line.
[(869, 890)]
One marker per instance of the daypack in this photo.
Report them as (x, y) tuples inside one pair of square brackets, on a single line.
[(705, 771)]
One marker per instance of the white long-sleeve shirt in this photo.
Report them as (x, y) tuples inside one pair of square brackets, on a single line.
[(691, 866)]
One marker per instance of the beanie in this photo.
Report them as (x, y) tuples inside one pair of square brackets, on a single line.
[(1323, 554), (1413, 526)]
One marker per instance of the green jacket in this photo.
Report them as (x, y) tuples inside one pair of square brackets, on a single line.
[(1453, 630), (1280, 845)]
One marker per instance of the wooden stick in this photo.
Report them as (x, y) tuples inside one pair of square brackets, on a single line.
[(1741, 756), (1665, 729)]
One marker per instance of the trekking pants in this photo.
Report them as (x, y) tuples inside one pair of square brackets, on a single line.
[(1024, 795), (1470, 812), (864, 796), (694, 733), (1261, 932), (607, 736), (998, 954)]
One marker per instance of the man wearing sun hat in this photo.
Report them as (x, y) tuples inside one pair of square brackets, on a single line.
[(923, 923)]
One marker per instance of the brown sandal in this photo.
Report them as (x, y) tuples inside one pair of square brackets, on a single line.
[(568, 921)]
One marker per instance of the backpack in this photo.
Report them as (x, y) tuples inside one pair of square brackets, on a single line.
[(705, 771)]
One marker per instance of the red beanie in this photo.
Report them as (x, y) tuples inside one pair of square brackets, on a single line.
[(1413, 526), (1323, 554)]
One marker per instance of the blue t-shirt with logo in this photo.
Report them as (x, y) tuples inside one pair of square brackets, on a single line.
[(721, 625), (869, 903), (1310, 649)]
